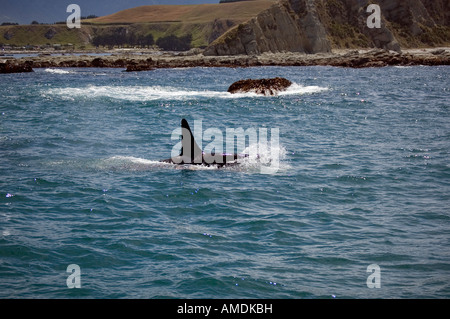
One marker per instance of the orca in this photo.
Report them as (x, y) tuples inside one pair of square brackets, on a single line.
[(192, 154)]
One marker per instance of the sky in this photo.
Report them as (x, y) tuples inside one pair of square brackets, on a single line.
[(50, 11)]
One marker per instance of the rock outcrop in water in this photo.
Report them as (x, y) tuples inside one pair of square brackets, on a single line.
[(260, 86), (146, 65), (11, 66)]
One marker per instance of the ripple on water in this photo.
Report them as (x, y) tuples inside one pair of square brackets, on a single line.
[(363, 179)]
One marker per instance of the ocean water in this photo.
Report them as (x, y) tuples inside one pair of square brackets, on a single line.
[(363, 179)]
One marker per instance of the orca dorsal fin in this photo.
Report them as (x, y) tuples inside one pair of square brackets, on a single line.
[(188, 143)]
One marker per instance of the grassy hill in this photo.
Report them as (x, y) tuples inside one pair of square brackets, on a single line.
[(23, 35), (205, 22), (199, 13)]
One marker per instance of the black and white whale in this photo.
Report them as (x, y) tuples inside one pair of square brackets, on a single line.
[(191, 153)]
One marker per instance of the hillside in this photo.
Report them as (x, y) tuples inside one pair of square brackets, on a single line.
[(257, 26), (313, 26), (200, 13), (205, 22), (34, 35)]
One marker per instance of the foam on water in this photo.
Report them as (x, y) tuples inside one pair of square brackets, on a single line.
[(151, 93), (260, 157), (300, 89), (57, 71)]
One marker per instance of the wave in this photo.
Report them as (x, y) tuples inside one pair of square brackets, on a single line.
[(151, 93), (57, 71), (261, 159), (297, 89)]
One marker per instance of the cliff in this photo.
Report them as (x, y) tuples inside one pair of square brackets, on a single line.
[(314, 26), (288, 25)]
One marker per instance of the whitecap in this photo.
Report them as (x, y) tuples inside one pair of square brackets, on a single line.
[(260, 159), (297, 89), (151, 93), (264, 159), (57, 71)]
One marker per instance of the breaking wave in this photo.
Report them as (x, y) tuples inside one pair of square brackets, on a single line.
[(57, 71), (151, 93), (260, 159)]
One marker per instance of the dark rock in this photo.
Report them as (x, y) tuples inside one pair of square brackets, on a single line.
[(82, 64), (10, 66), (261, 86), (120, 63), (98, 63), (132, 67)]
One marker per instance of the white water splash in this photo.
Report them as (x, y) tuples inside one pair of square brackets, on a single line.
[(57, 71), (297, 89), (259, 156), (151, 93), (264, 158)]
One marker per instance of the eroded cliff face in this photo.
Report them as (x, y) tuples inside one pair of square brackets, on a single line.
[(289, 25), (314, 26), (418, 22), (346, 25)]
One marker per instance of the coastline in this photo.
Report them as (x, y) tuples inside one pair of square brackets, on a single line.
[(144, 60)]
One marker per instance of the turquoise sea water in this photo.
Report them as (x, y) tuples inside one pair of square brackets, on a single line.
[(364, 179)]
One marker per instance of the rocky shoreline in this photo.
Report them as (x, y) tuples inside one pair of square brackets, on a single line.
[(146, 61)]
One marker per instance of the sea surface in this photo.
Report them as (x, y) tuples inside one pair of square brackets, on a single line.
[(363, 183)]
